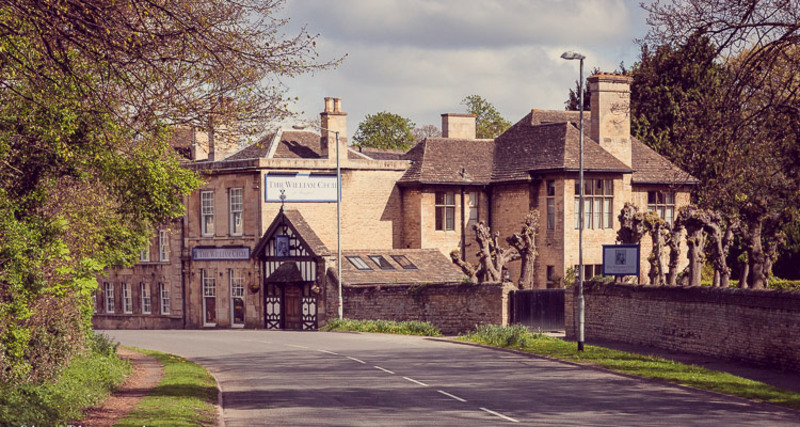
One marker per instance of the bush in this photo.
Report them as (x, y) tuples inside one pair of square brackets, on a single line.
[(383, 326), (515, 336), (783, 284), (82, 383)]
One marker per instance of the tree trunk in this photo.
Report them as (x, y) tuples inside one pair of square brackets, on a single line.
[(695, 253), (744, 272), (757, 258), (525, 244), (674, 243)]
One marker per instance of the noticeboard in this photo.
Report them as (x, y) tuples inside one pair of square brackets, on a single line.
[(620, 260)]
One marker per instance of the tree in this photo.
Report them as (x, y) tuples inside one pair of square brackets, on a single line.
[(572, 102), (492, 258), (488, 121), (90, 92), (427, 131), (384, 130)]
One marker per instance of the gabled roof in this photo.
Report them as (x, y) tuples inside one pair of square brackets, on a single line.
[(300, 144), (294, 219), (450, 161), (254, 151), (525, 148), (432, 266)]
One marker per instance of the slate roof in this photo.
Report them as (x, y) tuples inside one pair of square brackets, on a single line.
[(254, 151), (296, 221), (526, 148), (652, 168), (432, 266), (299, 144), (450, 161)]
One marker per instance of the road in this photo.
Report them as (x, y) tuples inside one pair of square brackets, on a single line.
[(346, 379)]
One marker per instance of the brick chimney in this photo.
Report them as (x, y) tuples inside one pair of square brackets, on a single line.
[(459, 126), (334, 119), (611, 114), (222, 135)]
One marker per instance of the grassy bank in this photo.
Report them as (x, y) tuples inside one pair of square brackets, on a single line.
[(383, 326), (86, 381), (185, 396), (519, 338)]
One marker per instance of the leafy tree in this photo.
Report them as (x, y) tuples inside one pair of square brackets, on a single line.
[(89, 93), (384, 130), (572, 102), (488, 121)]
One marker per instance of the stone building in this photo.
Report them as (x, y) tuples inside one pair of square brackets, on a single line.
[(257, 246)]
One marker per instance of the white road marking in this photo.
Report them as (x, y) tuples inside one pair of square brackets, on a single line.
[(500, 415), (356, 360), (326, 351), (415, 381), (297, 346), (451, 396), (384, 370)]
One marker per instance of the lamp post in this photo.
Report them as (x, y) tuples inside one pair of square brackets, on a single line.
[(572, 56), (338, 213)]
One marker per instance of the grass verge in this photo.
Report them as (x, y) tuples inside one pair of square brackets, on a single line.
[(84, 382), (645, 366), (185, 396), (383, 326)]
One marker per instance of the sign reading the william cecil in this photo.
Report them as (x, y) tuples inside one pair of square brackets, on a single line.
[(225, 253), (300, 187)]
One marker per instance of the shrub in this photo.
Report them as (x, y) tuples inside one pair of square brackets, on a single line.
[(383, 326), (515, 336)]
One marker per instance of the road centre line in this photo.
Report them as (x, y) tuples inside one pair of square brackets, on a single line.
[(500, 415), (415, 381), (357, 360), (384, 370), (329, 352), (451, 396), (297, 346)]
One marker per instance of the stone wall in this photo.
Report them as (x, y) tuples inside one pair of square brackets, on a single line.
[(759, 326), (452, 307)]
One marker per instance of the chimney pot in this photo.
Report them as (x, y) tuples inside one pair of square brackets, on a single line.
[(337, 105), (328, 104)]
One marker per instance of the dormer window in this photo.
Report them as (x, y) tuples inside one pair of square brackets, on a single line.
[(358, 262), (404, 262), (382, 262)]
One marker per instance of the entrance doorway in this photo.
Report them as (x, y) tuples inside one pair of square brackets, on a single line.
[(293, 306)]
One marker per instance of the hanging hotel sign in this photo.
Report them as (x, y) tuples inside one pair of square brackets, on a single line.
[(620, 260), (298, 187), (228, 253)]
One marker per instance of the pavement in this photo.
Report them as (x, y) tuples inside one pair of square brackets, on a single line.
[(317, 378)]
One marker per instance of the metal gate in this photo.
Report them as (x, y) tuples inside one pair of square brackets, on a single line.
[(538, 309)]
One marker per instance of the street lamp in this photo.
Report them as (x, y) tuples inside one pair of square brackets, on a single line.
[(571, 55), (338, 212)]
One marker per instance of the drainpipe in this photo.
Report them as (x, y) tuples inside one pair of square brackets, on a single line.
[(463, 224)]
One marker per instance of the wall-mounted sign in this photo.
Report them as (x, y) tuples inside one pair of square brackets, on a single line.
[(300, 187), (229, 253), (620, 260)]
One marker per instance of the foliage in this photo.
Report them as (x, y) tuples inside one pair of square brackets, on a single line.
[(645, 366), (383, 326), (384, 130), (83, 383), (572, 103), (90, 93), (185, 396), (488, 121)]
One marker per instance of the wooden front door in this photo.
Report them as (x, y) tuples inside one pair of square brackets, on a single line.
[(292, 307)]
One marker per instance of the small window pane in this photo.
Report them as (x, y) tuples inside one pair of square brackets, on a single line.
[(404, 262), (609, 211), (439, 198), (451, 218), (551, 187), (358, 263), (382, 262), (577, 213), (598, 212), (609, 187), (450, 198), (551, 214), (587, 214), (651, 197)]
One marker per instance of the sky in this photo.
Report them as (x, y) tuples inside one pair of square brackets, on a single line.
[(421, 58)]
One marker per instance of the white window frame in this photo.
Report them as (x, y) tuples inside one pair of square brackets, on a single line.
[(163, 292), (207, 213), (550, 191), (144, 255), (237, 291), (598, 208), (235, 209), (108, 290), (163, 245), (445, 210), (127, 301), (144, 292), (208, 284)]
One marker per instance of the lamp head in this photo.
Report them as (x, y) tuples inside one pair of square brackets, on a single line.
[(570, 55)]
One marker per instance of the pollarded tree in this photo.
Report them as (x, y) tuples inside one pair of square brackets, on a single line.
[(525, 243), (488, 121), (492, 258), (384, 130)]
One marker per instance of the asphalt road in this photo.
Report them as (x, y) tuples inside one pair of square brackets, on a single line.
[(345, 379)]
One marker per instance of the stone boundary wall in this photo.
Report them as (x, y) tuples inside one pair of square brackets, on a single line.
[(127, 321), (452, 307), (758, 326)]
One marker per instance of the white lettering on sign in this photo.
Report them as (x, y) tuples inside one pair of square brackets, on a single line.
[(200, 254), (300, 187)]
